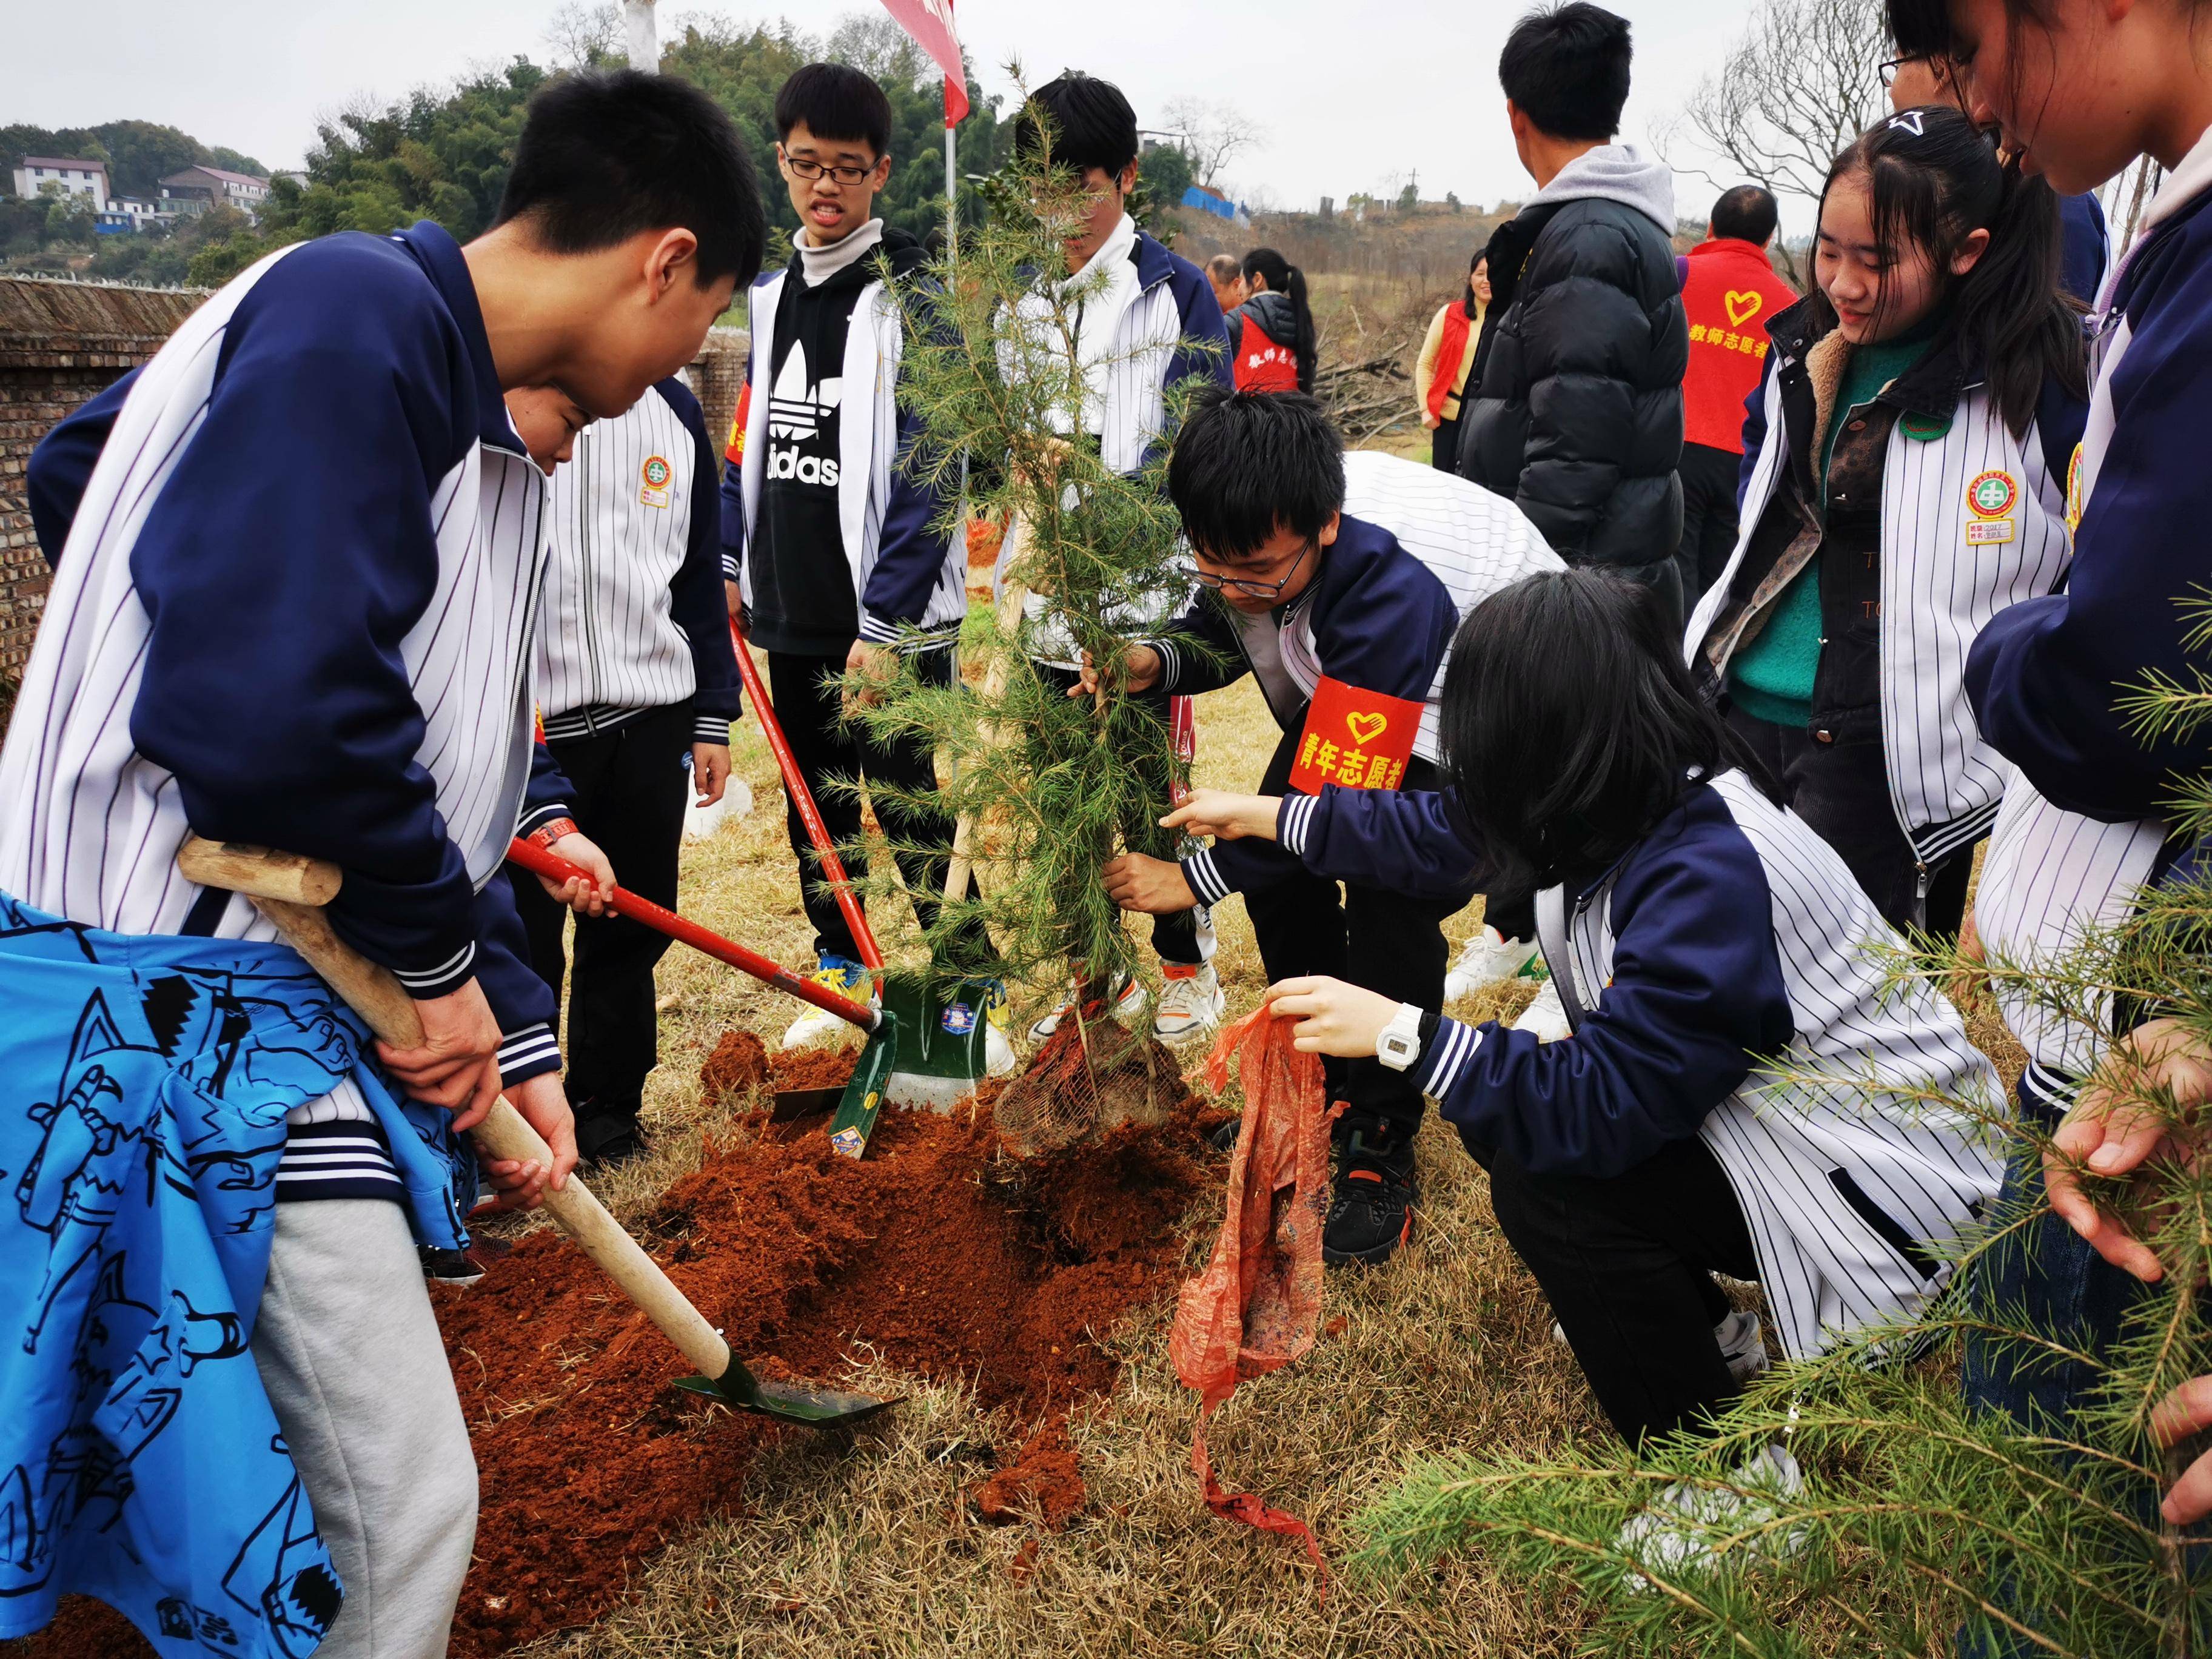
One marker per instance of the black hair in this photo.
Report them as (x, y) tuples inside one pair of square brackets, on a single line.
[(1090, 123), (606, 153), (835, 100), (1569, 726), (1249, 464), (1565, 67), (1467, 301), (1284, 277), (1745, 212), (1933, 179)]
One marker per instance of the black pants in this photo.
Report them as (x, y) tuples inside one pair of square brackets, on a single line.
[(811, 711), (1628, 1264), (1842, 790), (1709, 520), (631, 785), (1386, 941), (1175, 937), (1443, 445)]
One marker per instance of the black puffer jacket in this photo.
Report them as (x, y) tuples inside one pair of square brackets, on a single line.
[(1579, 419)]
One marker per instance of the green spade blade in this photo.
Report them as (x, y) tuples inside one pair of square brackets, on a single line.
[(788, 1402)]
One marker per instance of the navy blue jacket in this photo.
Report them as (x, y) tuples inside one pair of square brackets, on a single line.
[(1381, 621), (2045, 674), (354, 375), (2084, 251), (1697, 995)]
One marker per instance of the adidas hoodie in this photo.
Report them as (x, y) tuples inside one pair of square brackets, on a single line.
[(825, 536)]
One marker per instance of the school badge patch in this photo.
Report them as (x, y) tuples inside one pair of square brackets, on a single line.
[(1991, 497), (1353, 739), (656, 473), (2074, 491)]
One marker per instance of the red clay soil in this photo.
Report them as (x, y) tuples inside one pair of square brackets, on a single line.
[(737, 1066), (939, 1253)]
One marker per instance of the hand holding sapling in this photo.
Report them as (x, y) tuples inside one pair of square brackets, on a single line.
[(1157, 887), (1226, 815), (2103, 1136)]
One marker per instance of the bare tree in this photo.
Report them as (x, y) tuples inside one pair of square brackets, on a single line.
[(1803, 83), (1213, 134), (581, 35)]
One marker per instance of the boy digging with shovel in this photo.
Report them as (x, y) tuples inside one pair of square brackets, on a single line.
[(296, 608)]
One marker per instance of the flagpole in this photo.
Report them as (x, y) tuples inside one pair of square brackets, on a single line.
[(952, 195)]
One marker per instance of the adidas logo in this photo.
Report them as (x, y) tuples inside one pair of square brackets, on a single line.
[(796, 406)]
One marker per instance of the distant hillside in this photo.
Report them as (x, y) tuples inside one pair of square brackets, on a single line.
[(138, 154), (1428, 247)]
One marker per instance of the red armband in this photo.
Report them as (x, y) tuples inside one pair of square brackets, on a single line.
[(1359, 740), (734, 451)]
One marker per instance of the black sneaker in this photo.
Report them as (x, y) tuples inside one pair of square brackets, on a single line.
[(1372, 1212)]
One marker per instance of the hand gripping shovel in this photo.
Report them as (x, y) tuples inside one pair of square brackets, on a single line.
[(291, 890), (911, 1058), (944, 1042)]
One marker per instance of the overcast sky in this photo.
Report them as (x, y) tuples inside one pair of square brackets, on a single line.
[(1352, 93)]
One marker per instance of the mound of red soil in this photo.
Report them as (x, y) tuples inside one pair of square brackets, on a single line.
[(811, 1068), (940, 1252), (737, 1066)]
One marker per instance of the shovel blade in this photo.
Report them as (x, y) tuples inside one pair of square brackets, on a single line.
[(786, 1402)]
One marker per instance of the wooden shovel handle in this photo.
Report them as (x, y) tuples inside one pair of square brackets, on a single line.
[(372, 993)]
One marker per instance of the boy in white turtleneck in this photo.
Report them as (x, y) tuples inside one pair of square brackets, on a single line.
[(1153, 323), (834, 558)]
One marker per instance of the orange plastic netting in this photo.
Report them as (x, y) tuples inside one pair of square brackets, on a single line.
[(1257, 1306)]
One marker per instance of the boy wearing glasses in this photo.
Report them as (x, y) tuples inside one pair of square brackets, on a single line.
[(834, 558), (1337, 581)]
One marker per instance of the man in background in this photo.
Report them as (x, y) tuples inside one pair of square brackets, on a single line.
[(1226, 273), (1729, 290)]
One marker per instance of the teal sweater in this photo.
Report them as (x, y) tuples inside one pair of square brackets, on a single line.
[(1771, 677)]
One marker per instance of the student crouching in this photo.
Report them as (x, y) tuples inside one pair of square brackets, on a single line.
[(1705, 941)]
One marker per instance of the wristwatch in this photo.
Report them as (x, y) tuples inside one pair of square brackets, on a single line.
[(550, 831), (1399, 1044)]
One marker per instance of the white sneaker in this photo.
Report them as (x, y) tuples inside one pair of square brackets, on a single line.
[(1547, 1017), (817, 1026), (1743, 1344), (1685, 1524), (1191, 1002), (1127, 1006), (997, 1053), (1489, 956)]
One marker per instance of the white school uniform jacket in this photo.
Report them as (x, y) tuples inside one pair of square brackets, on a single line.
[(295, 608), (2087, 820), (634, 616), (1734, 932), (1148, 322), (907, 573), (1973, 521)]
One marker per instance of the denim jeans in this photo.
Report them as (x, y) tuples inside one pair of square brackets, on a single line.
[(2068, 1293)]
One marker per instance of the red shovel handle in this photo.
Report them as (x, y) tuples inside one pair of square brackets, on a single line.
[(833, 867), (663, 920)]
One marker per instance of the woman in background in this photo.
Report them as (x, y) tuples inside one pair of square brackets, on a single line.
[(1271, 335), (1447, 355)]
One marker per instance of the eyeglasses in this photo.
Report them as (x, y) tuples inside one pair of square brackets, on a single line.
[(809, 170), (1257, 590), (1888, 70), (1942, 68)]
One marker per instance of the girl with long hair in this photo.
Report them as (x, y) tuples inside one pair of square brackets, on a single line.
[(1925, 401), (1271, 335), (1447, 355)]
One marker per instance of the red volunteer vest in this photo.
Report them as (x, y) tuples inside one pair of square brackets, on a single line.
[(1261, 365)]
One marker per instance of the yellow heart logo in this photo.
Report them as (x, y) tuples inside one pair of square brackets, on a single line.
[(1741, 307), (1365, 728)]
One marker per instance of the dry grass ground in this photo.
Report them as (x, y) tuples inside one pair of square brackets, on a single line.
[(874, 1549)]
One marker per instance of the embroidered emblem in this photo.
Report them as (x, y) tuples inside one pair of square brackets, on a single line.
[(1991, 495), (656, 472), (1910, 122), (1923, 429)]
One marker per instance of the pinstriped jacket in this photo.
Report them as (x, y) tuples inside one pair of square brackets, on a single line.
[(1971, 520), (1731, 932)]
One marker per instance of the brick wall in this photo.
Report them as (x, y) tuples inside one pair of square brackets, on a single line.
[(59, 344)]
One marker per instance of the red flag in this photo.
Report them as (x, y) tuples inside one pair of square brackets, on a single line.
[(930, 23)]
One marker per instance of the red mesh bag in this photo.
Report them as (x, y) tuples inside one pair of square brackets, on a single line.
[(1257, 1306)]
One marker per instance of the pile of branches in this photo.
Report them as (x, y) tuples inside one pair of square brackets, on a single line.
[(1365, 373)]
